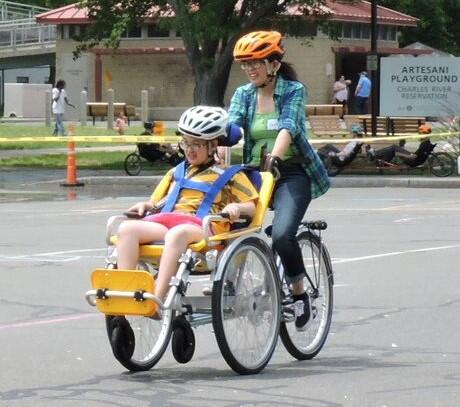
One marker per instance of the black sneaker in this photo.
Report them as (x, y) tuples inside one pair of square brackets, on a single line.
[(302, 313)]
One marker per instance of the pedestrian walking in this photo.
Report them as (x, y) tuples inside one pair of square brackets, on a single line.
[(341, 93), (59, 96)]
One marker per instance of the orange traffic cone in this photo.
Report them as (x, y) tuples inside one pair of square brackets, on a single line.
[(71, 164)]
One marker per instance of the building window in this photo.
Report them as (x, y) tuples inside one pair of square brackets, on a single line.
[(74, 30), (357, 31), (346, 32), (132, 32), (387, 33), (365, 31), (155, 31), (22, 79)]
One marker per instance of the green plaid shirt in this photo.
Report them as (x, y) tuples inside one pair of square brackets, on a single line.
[(290, 100)]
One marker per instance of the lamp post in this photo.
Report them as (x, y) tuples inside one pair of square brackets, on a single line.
[(372, 66)]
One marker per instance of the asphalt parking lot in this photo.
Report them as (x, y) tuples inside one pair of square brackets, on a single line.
[(393, 340)]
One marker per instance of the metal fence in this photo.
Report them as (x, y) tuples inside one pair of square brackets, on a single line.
[(25, 33), (14, 11)]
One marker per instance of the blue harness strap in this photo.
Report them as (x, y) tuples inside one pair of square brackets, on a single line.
[(210, 190), (179, 177), (216, 187)]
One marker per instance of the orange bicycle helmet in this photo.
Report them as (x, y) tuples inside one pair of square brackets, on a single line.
[(424, 129), (259, 45)]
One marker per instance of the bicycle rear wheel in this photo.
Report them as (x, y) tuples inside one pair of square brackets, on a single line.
[(307, 344), (246, 305), (441, 164)]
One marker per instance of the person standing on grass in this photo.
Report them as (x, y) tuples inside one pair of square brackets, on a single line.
[(59, 96)]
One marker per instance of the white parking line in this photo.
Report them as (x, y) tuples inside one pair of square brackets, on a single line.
[(48, 321), (399, 253)]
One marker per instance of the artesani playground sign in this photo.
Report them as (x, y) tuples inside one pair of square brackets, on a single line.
[(420, 86)]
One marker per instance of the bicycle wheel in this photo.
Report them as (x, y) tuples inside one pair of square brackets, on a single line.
[(133, 164), (138, 342), (332, 170), (307, 344), (246, 305), (441, 164), (175, 159)]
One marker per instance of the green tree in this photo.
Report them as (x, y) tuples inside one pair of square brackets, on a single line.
[(209, 29), (49, 3), (438, 26)]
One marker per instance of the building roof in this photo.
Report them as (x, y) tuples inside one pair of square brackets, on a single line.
[(380, 50), (361, 13), (420, 46), (337, 10)]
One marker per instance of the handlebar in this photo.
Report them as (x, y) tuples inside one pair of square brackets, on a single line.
[(220, 217)]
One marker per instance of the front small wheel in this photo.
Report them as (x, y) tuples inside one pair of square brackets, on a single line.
[(307, 344), (246, 305), (441, 164), (139, 342), (133, 164), (183, 340)]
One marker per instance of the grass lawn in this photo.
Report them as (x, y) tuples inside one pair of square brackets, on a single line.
[(85, 160), (100, 160), (14, 131)]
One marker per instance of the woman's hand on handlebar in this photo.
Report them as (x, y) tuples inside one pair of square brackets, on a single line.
[(271, 164)]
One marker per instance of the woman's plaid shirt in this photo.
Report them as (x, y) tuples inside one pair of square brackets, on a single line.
[(290, 100)]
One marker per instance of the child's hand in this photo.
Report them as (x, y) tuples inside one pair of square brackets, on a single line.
[(140, 208), (233, 210)]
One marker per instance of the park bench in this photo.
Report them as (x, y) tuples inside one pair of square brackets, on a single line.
[(405, 124), (328, 128), (327, 110), (392, 125), (100, 109)]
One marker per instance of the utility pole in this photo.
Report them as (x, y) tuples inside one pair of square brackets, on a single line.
[(372, 66)]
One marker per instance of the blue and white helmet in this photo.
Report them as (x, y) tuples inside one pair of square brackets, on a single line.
[(204, 122)]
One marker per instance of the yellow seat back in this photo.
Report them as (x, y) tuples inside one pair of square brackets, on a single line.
[(265, 196)]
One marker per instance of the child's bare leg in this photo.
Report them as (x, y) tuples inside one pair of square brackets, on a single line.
[(176, 241), (132, 233)]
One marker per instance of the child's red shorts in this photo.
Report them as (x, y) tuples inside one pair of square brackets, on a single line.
[(171, 219)]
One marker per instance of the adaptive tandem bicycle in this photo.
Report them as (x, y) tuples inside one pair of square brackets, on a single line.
[(249, 306)]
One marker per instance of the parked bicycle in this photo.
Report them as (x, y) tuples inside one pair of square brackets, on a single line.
[(149, 153)]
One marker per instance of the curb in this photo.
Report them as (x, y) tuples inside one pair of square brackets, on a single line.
[(337, 182)]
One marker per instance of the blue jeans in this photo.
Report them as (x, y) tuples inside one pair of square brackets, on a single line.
[(59, 125), (361, 105), (290, 201)]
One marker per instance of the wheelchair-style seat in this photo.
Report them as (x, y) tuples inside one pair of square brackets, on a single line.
[(265, 189)]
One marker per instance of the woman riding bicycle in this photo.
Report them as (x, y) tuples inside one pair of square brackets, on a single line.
[(271, 111)]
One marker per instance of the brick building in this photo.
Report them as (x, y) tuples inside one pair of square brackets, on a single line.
[(154, 59)]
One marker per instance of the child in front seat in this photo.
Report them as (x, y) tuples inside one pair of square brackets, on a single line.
[(178, 224)]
